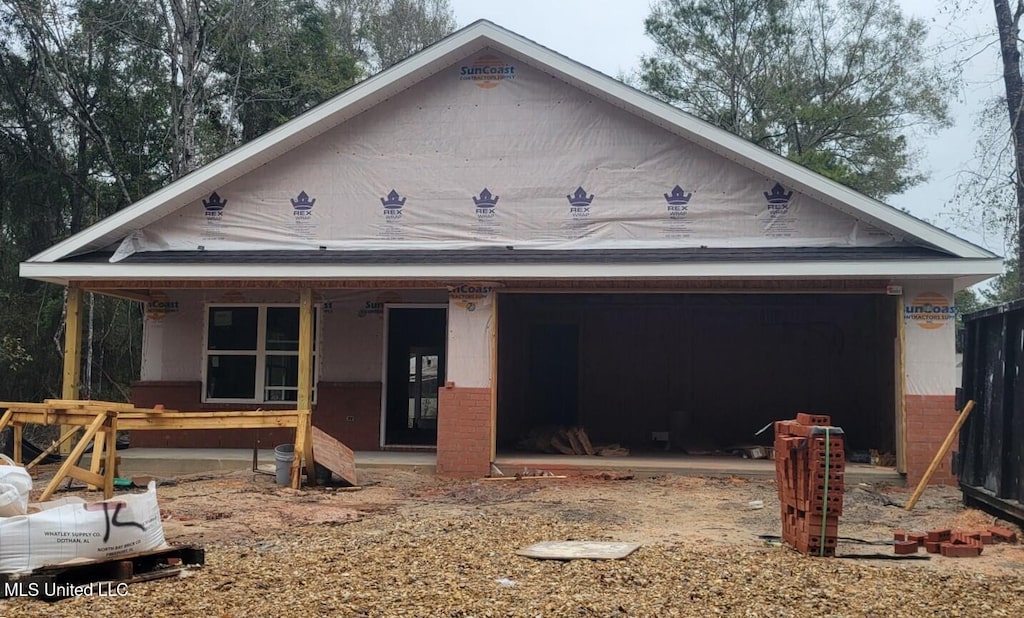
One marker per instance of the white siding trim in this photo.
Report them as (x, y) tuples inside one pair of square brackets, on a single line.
[(859, 269)]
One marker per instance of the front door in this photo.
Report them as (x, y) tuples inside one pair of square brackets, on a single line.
[(415, 371)]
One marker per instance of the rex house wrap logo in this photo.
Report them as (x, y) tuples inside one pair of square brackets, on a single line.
[(579, 203), (778, 200), (485, 205), (487, 71), (213, 206), (678, 201), (302, 206), (393, 203)]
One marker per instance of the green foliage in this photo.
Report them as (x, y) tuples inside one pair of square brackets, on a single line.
[(832, 84), (966, 301), (1005, 287), (282, 62), (93, 102), (393, 30), (1002, 289)]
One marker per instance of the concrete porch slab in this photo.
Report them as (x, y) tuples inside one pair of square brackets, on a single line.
[(167, 462)]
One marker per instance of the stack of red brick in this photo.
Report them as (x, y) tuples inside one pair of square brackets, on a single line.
[(951, 543), (810, 482)]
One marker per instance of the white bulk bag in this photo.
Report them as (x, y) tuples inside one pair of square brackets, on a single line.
[(15, 485), (67, 529)]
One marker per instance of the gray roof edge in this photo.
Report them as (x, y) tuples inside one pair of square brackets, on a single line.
[(504, 255)]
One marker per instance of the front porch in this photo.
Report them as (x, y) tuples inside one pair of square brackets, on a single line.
[(168, 462)]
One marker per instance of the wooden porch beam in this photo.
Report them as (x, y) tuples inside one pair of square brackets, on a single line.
[(140, 297)]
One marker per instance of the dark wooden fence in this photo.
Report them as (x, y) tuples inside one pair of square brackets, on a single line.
[(991, 457)]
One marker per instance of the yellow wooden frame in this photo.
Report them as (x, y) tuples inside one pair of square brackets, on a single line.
[(102, 419)]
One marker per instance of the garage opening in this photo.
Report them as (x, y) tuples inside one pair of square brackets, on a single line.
[(706, 371)]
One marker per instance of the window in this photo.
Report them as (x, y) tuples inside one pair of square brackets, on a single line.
[(252, 353)]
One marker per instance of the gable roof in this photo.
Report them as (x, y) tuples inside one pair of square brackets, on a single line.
[(465, 42)]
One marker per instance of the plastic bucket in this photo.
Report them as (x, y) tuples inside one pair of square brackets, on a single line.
[(323, 475), (284, 454)]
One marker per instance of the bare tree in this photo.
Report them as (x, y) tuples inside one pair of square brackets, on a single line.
[(1008, 24), (381, 33)]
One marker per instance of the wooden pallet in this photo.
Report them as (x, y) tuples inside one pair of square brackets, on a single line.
[(58, 581)]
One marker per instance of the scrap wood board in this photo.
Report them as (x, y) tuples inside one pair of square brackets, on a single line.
[(334, 456), (579, 550)]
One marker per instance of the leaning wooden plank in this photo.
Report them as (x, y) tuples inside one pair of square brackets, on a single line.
[(574, 442), (584, 439), (942, 452), (19, 434), (110, 466), (73, 457), (561, 446), (306, 424), (50, 449), (301, 433), (6, 419), (97, 455), (334, 455), (90, 478)]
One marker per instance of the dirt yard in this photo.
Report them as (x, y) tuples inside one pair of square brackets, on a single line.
[(408, 544)]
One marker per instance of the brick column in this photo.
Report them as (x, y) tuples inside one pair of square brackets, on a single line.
[(465, 419), (464, 432), (929, 419), (929, 375)]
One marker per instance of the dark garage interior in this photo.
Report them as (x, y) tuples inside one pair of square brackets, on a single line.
[(708, 369)]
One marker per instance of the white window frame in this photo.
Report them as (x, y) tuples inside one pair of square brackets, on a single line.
[(260, 352)]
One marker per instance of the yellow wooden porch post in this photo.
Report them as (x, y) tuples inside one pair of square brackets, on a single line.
[(72, 353), (305, 396), (305, 385), (901, 386)]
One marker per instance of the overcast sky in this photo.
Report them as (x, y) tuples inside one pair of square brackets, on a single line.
[(609, 37)]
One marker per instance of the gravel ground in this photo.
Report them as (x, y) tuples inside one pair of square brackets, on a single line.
[(411, 545)]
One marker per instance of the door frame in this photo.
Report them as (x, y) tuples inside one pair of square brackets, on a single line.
[(384, 365)]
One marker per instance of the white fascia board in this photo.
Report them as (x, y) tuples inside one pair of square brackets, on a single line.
[(272, 144), (861, 269)]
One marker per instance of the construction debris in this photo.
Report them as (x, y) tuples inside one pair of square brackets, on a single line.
[(415, 545), (334, 456), (567, 441), (951, 543)]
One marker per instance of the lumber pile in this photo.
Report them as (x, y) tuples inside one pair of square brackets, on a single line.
[(568, 441), (809, 467)]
